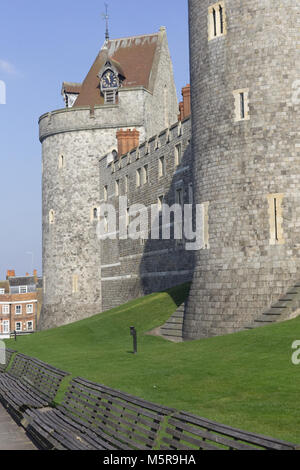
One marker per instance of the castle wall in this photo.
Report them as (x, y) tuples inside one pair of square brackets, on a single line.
[(241, 166), (72, 142), (164, 94), (71, 254), (131, 268)]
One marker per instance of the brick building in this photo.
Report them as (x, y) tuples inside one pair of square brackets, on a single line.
[(20, 303)]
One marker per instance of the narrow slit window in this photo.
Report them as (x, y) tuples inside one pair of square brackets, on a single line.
[(242, 105), (221, 20), (138, 178), (215, 22), (145, 174), (276, 219), (117, 187)]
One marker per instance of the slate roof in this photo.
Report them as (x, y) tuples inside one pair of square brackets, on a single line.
[(21, 281), (133, 56)]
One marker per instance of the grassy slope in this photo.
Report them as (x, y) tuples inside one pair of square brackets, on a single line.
[(245, 380)]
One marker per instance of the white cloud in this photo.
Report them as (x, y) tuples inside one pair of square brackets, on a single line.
[(7, 67)]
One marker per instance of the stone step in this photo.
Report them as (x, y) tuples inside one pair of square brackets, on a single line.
[(280, 310), (176, 334), (174, 321), (172, 329)]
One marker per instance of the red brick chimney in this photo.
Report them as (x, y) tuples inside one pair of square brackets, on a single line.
[(10, 273), (127, 140), (185, 105)]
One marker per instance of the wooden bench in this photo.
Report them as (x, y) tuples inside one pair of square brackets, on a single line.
[(93, 416), (8, 355), (29, 383), (189, 432)]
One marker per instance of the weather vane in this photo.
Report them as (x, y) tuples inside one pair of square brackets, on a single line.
[(106, 18)]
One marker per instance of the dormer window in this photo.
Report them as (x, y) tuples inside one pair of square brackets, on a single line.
[(110, 80), (109, 86)]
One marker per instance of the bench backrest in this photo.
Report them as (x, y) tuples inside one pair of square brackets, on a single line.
[(8, 355), (188, 432), (45, 379), (18, 366), (124, 421)]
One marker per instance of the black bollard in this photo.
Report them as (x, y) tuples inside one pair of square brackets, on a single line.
[(15, 333), (134, 335)]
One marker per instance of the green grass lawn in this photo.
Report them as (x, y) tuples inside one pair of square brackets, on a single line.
[(245, 379)]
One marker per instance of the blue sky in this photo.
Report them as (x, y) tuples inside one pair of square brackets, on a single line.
[(42, 44)]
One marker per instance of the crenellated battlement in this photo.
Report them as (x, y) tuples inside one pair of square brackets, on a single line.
[(149, 146)]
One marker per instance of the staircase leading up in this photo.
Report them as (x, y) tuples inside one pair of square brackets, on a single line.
[(172, 329), (285, 309)]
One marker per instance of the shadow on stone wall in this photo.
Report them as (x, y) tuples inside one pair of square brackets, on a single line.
[(167, 263)]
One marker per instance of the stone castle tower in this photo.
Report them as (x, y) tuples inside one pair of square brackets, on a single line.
[(245, 126), (130, 86)]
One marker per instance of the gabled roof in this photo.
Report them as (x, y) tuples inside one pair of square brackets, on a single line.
[(73, 88), (21, 281), (133, 56)]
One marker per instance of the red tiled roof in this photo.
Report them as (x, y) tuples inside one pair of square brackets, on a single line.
[(134, 57), (73, 88)]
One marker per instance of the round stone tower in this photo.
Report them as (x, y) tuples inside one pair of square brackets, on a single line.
[(124, 90), (245, 81)]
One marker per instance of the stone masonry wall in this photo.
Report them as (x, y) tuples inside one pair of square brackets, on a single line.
[(131, 268), (72, 142), (238, 164)]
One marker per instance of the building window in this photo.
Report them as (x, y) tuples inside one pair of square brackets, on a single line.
[(117, 187), (105, 223), (179, 196), (61, 162), (275, 219), (160, 202), (177, 154), (126, 184), (205, 226), (241, 105), (29, 308), (18, 309), (18, 326), (127, 217), (5, 309), (95, 213), (5, 327), (23, 290), (30, 326), (75, 284), (145, 174), (105, 193), (2, 291), (138, 178), (161, 167), (216, 20), (51, 217)]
